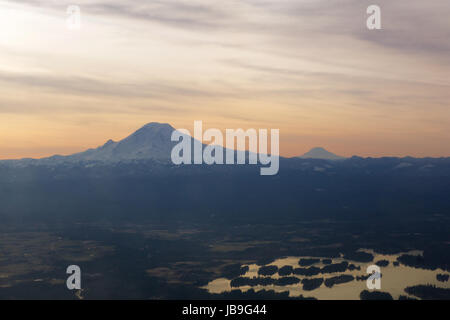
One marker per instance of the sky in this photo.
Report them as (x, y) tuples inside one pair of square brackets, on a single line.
[(310, 68)]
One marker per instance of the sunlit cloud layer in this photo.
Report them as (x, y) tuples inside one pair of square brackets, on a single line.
[(310, 68)]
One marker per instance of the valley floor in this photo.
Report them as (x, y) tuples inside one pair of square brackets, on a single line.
[(179, 260)]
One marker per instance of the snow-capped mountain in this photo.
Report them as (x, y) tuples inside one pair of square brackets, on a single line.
[(321, 153), (152, 141)]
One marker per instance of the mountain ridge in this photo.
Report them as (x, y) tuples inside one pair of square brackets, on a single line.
[(320, 153), (152, 141)]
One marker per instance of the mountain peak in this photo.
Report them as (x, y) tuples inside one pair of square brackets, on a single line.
[(157, 125), (109, 142), (151, 141), (153, 129), (320, 153)]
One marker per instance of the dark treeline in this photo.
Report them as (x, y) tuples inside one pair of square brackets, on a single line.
[(330, 268), (267, 270), (375, 295), (442, 277), (359, 256), (436, 257), (382, 263), (330, 282), (263, 281), (285, 281), (363, 277), (307, 262), (353, 267), (335, 267), (255, 281), (311, 284), (429, 292), (233, 271), (285, 271), (311, 271)]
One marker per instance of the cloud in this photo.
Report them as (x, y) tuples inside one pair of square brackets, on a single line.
[(177, 13), (409, 26), (89, 86)]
